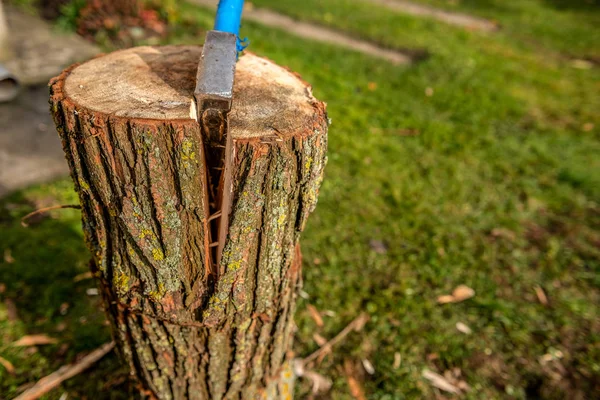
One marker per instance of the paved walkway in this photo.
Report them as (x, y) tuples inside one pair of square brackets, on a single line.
[(30, 150), (41, 51), (315, 32), (453, 18)]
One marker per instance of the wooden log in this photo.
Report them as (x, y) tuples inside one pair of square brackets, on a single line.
[(137, 161)]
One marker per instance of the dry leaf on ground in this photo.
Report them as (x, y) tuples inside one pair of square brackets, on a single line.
[(8, 258), (541, 295), (315, 315), (463, 328), (397, 360), (460, 293), (368, 366), (34, 340), (588, 127), (356, 389), (378, 246), (320, 340), (319, 382), (10, 368), (439, 382)]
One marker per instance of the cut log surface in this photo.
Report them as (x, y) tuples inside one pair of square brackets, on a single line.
[(137, 161)]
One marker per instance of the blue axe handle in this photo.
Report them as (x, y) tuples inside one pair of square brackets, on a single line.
[(229, 16)]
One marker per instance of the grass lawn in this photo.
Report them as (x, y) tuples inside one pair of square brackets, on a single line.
[(479, 165)]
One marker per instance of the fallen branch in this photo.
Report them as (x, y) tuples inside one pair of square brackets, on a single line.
[(45, 209), (65, 372), (356, 325)]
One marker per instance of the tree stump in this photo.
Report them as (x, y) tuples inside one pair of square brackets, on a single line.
[(135, 153)]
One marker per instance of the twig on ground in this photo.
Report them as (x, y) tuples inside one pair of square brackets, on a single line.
[(65, 372), (45, 209), (356, 388), (356, 325), (34, 340), (10, 368)]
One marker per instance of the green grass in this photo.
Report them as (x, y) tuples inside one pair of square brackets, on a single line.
[(497, 188)]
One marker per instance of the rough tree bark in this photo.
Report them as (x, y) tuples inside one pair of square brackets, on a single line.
[(137, 162)]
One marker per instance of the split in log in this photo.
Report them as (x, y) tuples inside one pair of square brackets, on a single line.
[(128, 129)]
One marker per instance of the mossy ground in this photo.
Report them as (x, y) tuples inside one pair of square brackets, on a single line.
[(479, 165)]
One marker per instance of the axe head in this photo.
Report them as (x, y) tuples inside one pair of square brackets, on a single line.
[(216, 70)]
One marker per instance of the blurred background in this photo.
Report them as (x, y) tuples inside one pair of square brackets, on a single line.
[(460, 208)]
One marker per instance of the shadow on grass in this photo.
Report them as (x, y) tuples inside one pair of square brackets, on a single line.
[(43, 275)]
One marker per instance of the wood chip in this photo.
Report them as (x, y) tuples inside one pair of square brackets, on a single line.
[(65, 372), (10, 368), (541, 295), (463, 328), (34, 340), (315, 315), (460, 293), (439, 382)]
